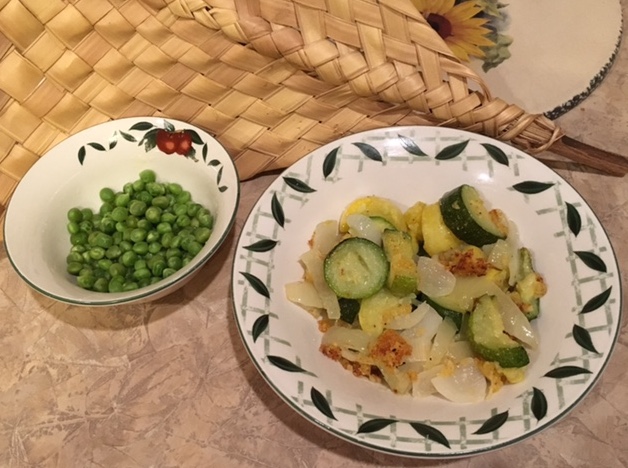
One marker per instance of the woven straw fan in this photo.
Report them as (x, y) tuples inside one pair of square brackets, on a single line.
[(271, 79)]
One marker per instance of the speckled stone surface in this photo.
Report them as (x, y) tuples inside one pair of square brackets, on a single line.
[(169, 384)]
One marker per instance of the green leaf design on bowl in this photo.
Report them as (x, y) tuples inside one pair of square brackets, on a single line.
[(583, 338), (298, 185), (128, 137), (566, 371), (493, 423), (81, 155), (410, 146), (330, 162), (142, 126), (97, 146), (573, 219), (369, 151), (284, 364), (597, 301), (374, 425), (277, 210), (321, 403), (263, 245), (451, 151), (256, 284), (531, 187), (260, 324), (496, 153), (538, 404), (430, 433), (592, 261)]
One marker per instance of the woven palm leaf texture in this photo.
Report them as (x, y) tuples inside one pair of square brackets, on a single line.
[(272, 80)]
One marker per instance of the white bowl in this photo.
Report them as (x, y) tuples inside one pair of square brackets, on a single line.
[(110, 155)]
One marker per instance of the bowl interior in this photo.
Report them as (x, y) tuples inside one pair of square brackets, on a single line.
[(35, 227)]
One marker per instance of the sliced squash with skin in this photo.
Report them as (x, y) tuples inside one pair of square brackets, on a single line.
[(413, 217), (437, 237), (379, 309), (488, 339), (373, 206), (402, 275), (465, 214)]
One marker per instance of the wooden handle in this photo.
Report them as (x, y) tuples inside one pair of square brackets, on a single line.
[(596, 158)]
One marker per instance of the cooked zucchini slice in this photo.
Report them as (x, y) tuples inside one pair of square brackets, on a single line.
[(530, 286), (488, 339), (379, 309), (465, 214), (349, 309), (356, 268), (447, 308), (399, 249)]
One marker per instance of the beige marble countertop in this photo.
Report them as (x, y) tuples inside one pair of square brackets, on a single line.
[(169, 383)]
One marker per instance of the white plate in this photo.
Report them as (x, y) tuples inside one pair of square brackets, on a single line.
[(577, 329)]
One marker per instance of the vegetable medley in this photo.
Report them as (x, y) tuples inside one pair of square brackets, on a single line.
[(433, 300)]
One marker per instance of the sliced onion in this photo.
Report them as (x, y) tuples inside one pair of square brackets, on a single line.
[(459, 350), (313, 263), (403, 322), (465, 385), (516, 323), (434, 279), (422, 386), (346, 338), (442, 340), (499, 254), (363, 226), (304, 294), (399, 382), (513, 245), (325, 237), (420, 336)]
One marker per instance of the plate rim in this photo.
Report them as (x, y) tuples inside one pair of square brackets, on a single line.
[(363, 443)]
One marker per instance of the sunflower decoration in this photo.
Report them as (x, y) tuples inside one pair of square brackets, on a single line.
[(465, 25)]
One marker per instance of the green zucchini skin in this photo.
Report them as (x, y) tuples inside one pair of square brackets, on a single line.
[(445, 312), (464, 214), (356, 268), (526, 287), (487, 338)]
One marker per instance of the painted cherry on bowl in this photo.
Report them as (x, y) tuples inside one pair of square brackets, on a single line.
[(174, 142)]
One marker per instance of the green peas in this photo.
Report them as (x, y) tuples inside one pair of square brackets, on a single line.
[(140, 248), (73, 227), (74, 267), (119, 213), (202, 234), (153, 214), (155, 189), (75, 215), (164, 227), (107, 195), (139, 235), (137, 208), (117, 269), (174, 188), (113, 252), (148, 175), (128, 258), (161, 201), (122, 199), (101, 285), (104, 240), (87, 214), (86, 281), (79, 238), (96, 253)]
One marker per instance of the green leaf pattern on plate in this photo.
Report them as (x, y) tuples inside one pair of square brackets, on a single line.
[(532, 404)]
